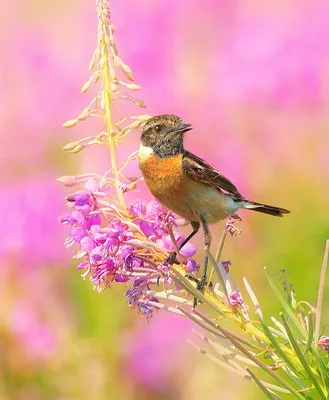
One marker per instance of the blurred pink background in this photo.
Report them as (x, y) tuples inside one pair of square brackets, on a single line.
[(253, 79)]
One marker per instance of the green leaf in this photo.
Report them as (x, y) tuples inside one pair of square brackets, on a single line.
[(218, 273), (286, 306), (280, 353), (302, 359), (320, 292), (310, 333), (267, 393), (261, 364)]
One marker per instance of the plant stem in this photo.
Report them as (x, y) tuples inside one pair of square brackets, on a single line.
[(320, 293), (109, 125)]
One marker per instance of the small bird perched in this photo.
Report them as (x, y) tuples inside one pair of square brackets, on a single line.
[(186, 184)]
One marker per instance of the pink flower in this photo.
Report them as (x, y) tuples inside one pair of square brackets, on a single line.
[(235, 299), (188, 250), (324, 343), (152, 218)]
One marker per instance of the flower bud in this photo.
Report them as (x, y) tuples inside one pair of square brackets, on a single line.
[(70, 123), (73, 147), (84, 114), (85, 87)]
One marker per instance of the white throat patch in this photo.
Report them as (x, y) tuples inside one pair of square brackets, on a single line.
[(144, 153)]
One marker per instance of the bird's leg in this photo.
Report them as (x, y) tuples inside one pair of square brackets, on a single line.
[(207, 243), (172, 258)]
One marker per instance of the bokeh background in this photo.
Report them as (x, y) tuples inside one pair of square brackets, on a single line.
[(253, 78)]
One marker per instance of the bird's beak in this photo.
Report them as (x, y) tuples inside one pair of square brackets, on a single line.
[(182, 128)]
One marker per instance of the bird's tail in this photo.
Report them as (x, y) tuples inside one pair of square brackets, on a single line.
[(266, 209)]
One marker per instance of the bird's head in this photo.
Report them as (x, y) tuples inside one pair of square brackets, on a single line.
[(164, 134)]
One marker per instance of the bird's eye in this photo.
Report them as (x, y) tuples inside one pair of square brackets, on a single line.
[(157, 128)]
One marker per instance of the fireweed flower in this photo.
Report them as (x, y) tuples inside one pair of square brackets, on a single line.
[(110, 250), (324, 343), (235, 299), (129, 244)]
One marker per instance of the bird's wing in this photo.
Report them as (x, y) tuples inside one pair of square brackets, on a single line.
[(200, 171)]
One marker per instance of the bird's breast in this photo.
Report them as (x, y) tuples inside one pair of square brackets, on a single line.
[(161, 175)]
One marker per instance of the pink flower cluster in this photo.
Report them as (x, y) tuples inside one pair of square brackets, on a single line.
[(111, 250)]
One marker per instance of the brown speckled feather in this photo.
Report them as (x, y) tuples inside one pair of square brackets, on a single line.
[(196, 168)]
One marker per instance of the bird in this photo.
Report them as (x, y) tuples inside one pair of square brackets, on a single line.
[(187, 184)]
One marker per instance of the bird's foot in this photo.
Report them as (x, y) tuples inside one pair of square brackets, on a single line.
[(172, 259), (175, 258), (192, 277), (200, 286)]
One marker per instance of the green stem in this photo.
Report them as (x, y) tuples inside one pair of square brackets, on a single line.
[(109, 124), (320, 293)]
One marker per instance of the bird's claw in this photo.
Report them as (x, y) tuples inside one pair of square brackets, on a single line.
[(200, 286), (172, 259)]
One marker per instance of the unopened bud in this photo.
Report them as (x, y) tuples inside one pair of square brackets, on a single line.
[(73, 147), (127, 71), (97, 54), (132, 86), (91, 64), (139, 103), (70, 123), (68, 180), (84, 114), (85, 87), (144, 117), (96, 77), (114, 47), (117, 61), (102, 62)]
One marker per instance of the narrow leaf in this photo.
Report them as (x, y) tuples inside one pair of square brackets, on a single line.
[(260, 385), (280, 353), (215, 326), (218, 273), (253, 297), (285, 306), (261, 364), (302, 359), (232, 369), (223, 351), (310, 333), (320, 292)]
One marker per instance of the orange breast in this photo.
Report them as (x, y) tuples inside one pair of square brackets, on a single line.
[(163, 176)]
